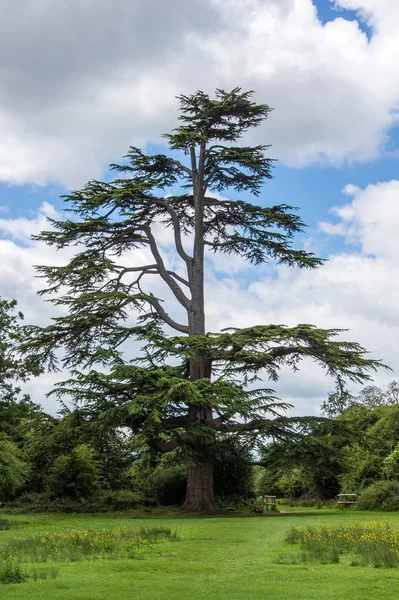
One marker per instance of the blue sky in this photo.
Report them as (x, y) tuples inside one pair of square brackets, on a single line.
[(326, 11), (77, 90)]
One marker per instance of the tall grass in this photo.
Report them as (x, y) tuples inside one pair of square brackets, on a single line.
[(74, 545), (79, 545), (5, 524), (369, 543)]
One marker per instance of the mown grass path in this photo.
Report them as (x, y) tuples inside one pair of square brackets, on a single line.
[(216, 558)]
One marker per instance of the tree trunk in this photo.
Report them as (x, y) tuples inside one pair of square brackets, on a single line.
[(199, 496)]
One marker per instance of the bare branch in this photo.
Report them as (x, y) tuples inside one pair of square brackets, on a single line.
[(176, 229), (175, 288), (165, 317), (150, 270), (181, 166), (132, 269), (181, 279)]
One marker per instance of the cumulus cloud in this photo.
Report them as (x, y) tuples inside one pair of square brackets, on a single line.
[(82, 79)]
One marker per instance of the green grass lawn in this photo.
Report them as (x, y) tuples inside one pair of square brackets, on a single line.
[(227, 557)]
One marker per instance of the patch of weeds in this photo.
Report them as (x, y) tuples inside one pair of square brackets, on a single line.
[(325, 557), (5, 524), (44, 573), (371, 543), (289, 559), (12, 572), (75, 545), (156, 533)]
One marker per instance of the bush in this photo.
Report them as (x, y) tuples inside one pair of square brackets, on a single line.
[(74, 475), (292, 484), (234, 475), (120, 500), (167, 485), (13, 470), (11, 572), (107, 500), (380, 495)]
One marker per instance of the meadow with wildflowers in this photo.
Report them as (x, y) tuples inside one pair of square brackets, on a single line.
[(369, 543), (233, 557), (74, 545)]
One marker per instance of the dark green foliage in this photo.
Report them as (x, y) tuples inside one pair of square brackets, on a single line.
[(380, 495), (102, 501), (347, 453), (75, 475), (310, 462), (234, 478), (167, 485), (376, 435), (19, 417), (13, 469), (62, 436), (162, 479)]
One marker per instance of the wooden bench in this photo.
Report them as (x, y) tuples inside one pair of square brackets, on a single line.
[(270, 501), (346, 500)]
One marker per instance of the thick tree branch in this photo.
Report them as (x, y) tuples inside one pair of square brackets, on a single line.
[(181, 166), (164, 447), (179, 278), (166, 318), (216, 423), (174, 287), (173, 422), (177, 231)]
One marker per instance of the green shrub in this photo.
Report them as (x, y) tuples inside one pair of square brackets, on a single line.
[(292, 484), (167, 485), (380, 495), (233, 472), (13, 470), (391, 464), (104, 501), (120, 499), (11, 572), (74, 475)]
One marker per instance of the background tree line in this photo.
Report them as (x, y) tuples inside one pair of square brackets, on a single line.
[(354, 449), (77, 457)]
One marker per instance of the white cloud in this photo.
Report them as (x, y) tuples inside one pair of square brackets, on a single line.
[(371, 220), (81, 80)]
